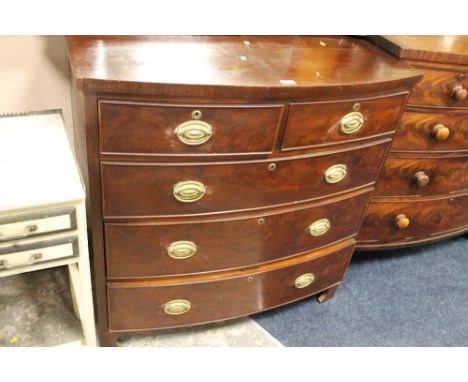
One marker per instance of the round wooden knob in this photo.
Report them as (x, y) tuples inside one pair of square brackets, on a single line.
[(421, 178), (440, 132), (458, 92), (401, 221)]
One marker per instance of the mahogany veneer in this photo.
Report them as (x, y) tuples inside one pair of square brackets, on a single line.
[(226, 175), (427, 167)]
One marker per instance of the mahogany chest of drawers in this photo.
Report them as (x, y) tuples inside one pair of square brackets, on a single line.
[(422, 195), (226, 175)]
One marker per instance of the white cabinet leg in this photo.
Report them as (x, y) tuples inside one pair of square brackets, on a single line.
[(86, 307), (75, 290)]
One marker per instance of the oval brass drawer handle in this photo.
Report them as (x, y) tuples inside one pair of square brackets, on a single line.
[(402, 221), (352, 122), (319, 227), (189, 191), (194, 133), (177, 307), (180, 250), (336, 173), (304, 280)]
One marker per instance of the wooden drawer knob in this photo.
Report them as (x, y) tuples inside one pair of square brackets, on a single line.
[(458, 92), (421, 178), (440, 132), (401, 221)]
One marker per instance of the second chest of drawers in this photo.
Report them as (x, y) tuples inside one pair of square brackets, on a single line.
[(422, 191)]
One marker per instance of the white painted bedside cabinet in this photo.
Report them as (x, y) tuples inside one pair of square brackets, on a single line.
[(42, 207)]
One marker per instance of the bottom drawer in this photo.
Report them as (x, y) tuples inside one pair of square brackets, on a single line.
[(153, 304), (419, 220), (22, 255)]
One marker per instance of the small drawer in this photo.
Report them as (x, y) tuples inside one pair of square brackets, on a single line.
[(406, 221), (38, 223), (146, 128), (432, 131), (152, 305), (148, 250), (162, 189), (440, 88), (16, 256), (423, 176), (322, 123)]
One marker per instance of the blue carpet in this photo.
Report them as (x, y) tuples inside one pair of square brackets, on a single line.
[(409, 297)]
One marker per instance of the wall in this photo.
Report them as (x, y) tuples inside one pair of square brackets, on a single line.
[(34, 75)]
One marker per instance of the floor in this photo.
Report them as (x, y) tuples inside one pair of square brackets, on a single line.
[(36, 310), (412, 297)]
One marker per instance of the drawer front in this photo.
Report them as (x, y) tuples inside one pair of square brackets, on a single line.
[(147, 250), (181, 189), (424, 219), (410, 176), (150, 306), (441, 131), (21, 226), (17, 256), (190, 130), (321, 123), (438, 88)]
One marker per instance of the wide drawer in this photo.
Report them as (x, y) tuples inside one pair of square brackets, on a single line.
[(145, 128), (437, 88), (146, 250), (151, 305), (156, 189), (16, 256), (321, 123), (423, 176), (432, 131), (37, 223), (425, 218)]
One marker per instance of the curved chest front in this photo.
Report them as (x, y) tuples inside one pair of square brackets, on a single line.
[(206, 208)]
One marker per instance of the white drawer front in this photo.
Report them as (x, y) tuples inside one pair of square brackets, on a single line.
[(21, 256), (37, 224)]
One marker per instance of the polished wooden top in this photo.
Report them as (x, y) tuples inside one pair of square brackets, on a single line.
[(448, 49), (246, 65)]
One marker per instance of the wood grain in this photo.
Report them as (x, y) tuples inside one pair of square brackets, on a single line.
[(444, 49), (435, 88), (145, 128), (318, 123), (415, 132), (146, 189), (428, 217), (265, 237), (142, 307), (446, 174), (268, 67)]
